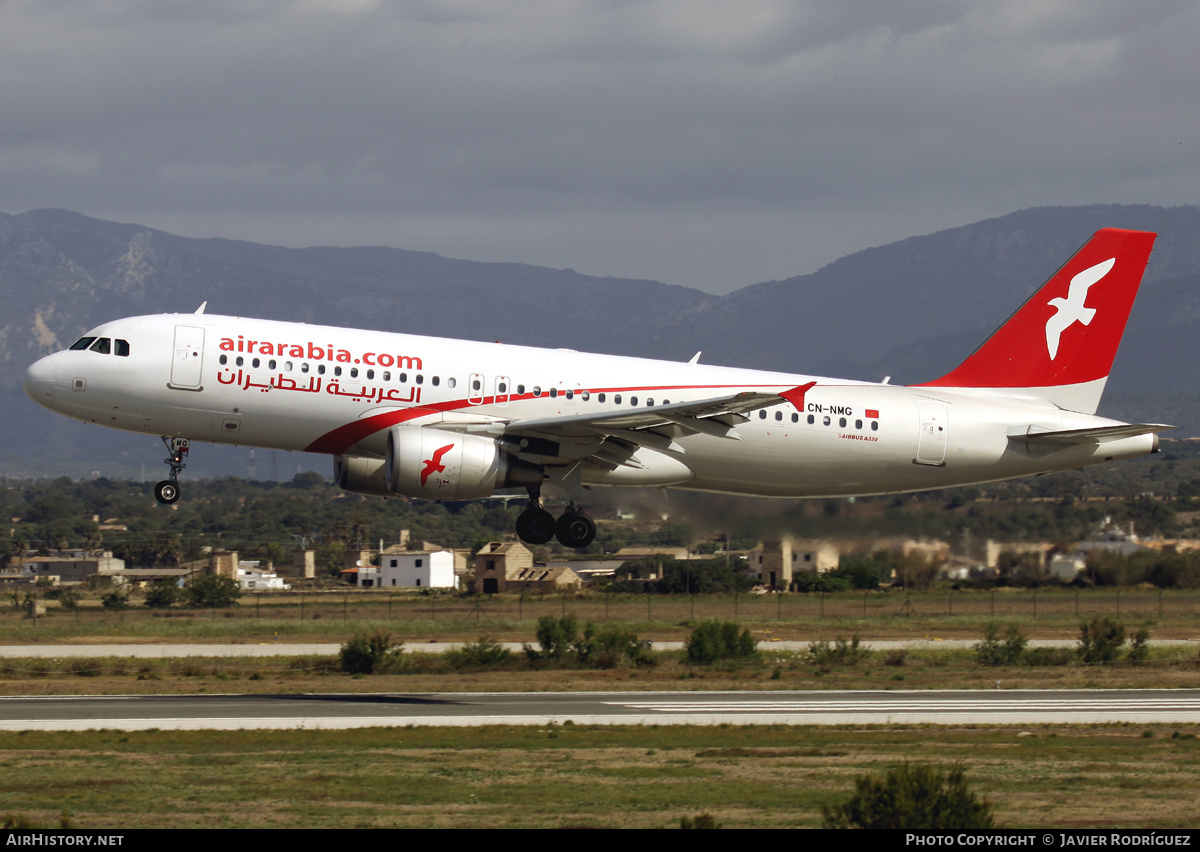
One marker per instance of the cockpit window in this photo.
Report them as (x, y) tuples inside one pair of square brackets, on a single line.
[(82, 343), (102, 345), (121, 348)]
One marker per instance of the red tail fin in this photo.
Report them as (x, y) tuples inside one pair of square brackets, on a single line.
[(1061, 343)]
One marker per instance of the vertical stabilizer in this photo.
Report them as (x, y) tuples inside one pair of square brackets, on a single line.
[(1061, 343)]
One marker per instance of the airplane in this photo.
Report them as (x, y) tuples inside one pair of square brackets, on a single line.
[(425, 417)]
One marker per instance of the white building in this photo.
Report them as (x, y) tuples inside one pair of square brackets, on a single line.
[(252, 578), (417, 569)]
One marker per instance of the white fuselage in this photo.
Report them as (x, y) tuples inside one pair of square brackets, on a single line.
[(313, 388)]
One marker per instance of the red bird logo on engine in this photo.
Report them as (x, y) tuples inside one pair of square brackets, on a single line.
[(434, 465)]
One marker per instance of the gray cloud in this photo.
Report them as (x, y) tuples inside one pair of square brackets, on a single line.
[(700, 142)]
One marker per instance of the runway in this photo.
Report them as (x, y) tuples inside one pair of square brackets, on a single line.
[(338, 711)]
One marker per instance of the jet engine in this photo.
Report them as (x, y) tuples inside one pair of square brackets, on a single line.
[(361, 475), (438, 465)]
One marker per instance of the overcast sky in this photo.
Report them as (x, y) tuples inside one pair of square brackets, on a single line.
[(707, 143)]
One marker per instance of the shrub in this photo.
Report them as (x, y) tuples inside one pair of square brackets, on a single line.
[(556, 635), (608, 647), (840, 653), (163, 594), (481, 653), (603, 648), (364, 654), (719, 640), (1100, 640), (912, 796), (704, 820), (997, 650), (1139, 646), (114, 600)]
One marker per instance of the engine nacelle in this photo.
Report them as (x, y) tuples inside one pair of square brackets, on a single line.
[(361, 475), (438, 465)]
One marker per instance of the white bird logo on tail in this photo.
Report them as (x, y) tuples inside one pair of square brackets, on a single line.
[(1072, 309)]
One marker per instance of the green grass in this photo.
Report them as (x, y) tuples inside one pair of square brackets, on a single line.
[(1038, 776), (333, 616)]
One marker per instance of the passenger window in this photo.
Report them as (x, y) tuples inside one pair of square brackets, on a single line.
[(122, 348), (874, 425), (778, 415), (795, 418), (811, 420), (825, 420), (321, 369), (254, 363), (537, 391), (520, 390), (570, 394), (102, 345), (762, 415), (600, 397), (240, 360), (370, 374), (403, 378), (586, 395), (337, 371), (436, 380), (82, 343), (271, 364), (633, 400), (649, 401), (354, 372), (553, 393), (304, 367), (419, 379), (387, 375), (842, 422), (224, 359), (287, 366), (857, 424), (617, 398)]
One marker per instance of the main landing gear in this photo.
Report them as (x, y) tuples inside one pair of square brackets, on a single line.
[(167, 491), (537, 526)]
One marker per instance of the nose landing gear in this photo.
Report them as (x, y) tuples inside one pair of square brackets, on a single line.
[(167, 491)]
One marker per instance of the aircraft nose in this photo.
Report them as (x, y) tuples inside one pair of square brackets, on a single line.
[(38, 380)]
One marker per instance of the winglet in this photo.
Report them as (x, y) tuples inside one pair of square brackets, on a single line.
[(796, 395), (200, 309)]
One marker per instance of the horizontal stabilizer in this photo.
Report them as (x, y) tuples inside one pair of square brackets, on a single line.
[(1099, 435)]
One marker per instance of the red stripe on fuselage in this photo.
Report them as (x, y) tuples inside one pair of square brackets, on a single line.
[(337, 441)]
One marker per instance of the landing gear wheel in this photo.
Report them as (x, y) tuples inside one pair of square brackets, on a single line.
[(575, 529), (166, 491), (535, 526)]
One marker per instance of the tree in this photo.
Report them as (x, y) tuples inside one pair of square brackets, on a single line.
[(209, 590), (163, 594), (912, 796)]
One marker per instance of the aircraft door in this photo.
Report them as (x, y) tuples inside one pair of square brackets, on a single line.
[(187, 358), (502, 391), (475, 389), (931, 442)]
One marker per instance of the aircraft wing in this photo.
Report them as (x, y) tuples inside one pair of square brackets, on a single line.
[(612, 438)]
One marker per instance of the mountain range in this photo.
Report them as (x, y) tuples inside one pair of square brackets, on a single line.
[(910, 310)]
